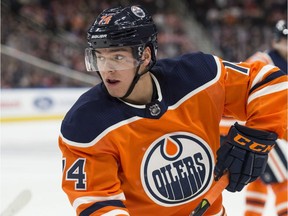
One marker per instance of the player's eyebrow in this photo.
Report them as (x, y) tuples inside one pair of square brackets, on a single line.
[(113, 49)]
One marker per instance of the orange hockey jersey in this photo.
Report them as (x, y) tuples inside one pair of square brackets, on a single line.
[(271, 57), (140, 160)]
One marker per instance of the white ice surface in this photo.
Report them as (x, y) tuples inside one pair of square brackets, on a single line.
[(30, 159)]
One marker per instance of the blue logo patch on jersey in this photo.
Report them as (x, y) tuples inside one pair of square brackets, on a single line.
[(177, 168)]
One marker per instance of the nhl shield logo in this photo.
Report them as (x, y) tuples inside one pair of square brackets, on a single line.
[(155, 110), (177, 168)]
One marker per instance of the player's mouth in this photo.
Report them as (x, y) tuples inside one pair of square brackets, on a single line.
[(112, 81)]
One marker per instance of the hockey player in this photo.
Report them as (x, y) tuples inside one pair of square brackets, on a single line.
[(145, 141), (276, 173), (278, 53)]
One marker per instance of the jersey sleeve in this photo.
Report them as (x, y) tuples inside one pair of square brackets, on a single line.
[(256, 93), (90, 178)]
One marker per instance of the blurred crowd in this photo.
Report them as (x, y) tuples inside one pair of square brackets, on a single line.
[(55, 31), (240, 27)]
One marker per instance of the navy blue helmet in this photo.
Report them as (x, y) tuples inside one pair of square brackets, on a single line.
[(280, 30), (129, 26)]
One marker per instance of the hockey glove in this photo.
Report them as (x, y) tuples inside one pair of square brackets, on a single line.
[(244, 154)]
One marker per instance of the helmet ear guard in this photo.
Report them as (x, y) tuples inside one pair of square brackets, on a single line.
[(90, 60)]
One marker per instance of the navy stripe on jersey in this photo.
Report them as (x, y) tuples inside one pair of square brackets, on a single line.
[(268, 79), (235, 67), (282, 212), (99, 205), (257, 202), (278, 60)]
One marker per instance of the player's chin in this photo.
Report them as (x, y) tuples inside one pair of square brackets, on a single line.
[(115, 93), (115, 89)]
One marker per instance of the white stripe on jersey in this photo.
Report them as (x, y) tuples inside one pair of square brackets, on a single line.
[(230, 122), (282, 169), (89, 199), (115, 212), (262, 73), (283, 145), (268, 90), (254, 209), (281, 206)]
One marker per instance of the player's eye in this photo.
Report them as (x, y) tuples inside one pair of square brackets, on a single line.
[(100, 58), (119, 57)]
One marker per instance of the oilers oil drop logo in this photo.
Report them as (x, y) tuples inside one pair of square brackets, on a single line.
[(177, 168)]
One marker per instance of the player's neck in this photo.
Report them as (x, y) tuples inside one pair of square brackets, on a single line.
[(142, 92)]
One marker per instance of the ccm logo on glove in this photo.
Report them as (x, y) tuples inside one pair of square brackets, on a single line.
[(254, 146)]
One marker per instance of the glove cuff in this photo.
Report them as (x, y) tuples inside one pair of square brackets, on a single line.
[(259, 134), (253, 140)]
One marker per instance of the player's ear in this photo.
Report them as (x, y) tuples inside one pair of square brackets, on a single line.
[(146, 57)]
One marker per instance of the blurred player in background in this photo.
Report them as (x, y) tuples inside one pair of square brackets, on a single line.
[(277, 55), (276, 173), (145, 141)]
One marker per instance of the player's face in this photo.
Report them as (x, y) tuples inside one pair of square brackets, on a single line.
[(117, 68), (283, 47)]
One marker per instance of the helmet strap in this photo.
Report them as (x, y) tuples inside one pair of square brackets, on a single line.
[(135, 80)]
